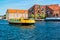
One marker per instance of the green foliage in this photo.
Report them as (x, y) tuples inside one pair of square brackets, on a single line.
[(4, 16), (32, 15), (43, 16), (37, 16)]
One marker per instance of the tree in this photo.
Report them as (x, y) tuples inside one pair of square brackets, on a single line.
[(4, 16), (43, 16), (32, 15), (37, 15)]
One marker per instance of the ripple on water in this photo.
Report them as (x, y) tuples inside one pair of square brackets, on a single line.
[(40, 31)]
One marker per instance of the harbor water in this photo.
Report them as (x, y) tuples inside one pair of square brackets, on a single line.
[(41, 30)]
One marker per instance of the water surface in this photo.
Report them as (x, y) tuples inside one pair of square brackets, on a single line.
[(42, 30)]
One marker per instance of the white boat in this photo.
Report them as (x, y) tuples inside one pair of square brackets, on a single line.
[(52, 18)]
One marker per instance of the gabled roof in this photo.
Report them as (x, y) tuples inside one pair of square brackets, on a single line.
[(11, 11), (54, 7)]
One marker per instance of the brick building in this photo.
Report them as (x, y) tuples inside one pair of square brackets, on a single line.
[(36, 10), (53, 10), (59, 9), (47, 10), (39, 12)]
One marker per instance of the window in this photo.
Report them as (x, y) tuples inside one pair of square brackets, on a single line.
[(47, 10), (32, 11), (56, 15), (38, 10), (42, 9), (38, 7)]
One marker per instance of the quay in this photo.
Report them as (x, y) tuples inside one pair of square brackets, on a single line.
[(39, 19)]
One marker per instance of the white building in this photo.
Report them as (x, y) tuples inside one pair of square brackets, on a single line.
[(16, 14)]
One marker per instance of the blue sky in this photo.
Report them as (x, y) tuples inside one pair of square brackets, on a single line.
[(23, 4)]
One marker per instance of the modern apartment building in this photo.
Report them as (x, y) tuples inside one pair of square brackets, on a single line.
[(16, 14), (44, 10)]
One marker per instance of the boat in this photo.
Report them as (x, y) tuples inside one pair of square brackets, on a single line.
[(52, 19), (22, 21)]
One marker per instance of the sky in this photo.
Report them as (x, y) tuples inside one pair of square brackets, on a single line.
[(23, 4)]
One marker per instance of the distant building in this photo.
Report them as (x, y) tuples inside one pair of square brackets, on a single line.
[(47, 10), (1, 17), (54, 10), (16, 14), (59, 9), (36, 11)]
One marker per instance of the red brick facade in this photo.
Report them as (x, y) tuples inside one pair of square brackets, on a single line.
[(48, 10), (55, 9), (59, 10), (37, 9)]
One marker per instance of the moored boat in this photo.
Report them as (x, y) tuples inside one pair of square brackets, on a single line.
[(21, 21), (53, 19)]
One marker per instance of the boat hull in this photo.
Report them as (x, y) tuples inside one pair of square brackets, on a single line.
[(21, 23)]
